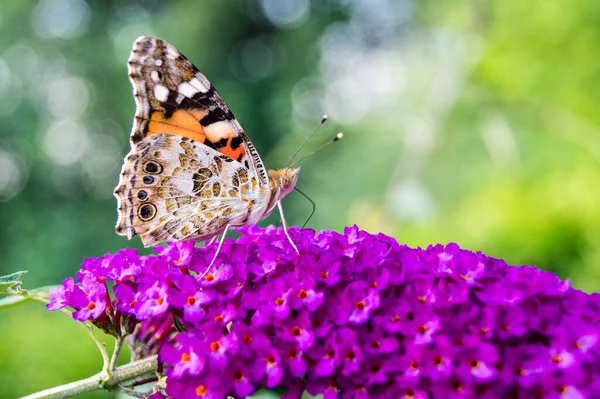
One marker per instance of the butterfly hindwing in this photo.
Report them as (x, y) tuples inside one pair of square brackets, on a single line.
[(173, 97), (173, 188)]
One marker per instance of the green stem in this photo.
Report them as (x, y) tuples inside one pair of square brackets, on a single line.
[(115, 356), (105, 359), (118, 376), (131, 392)]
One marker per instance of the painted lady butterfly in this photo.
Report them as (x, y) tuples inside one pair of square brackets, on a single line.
[(192, 171)]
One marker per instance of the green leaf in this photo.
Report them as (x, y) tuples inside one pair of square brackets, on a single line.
[(11, 301), (11, 280), (42, 292)]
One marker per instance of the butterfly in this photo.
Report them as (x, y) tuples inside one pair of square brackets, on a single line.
[(192, 172)]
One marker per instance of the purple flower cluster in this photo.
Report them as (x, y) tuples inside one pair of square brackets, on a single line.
[(354, 315)]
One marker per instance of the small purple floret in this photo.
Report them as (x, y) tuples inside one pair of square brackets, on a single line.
[(354, 315)]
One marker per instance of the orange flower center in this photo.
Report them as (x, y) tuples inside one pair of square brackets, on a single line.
[(302, 294), (457, 386), (191, 300), (201, 390), (215, 346), (562, 389), (556, 359), (185, 357)]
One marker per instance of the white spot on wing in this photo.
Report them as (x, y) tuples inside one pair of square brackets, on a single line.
[(218, 130), (158, 62), (187, 89), (172, 53), (155, 76), (200, 85), (161, 93)]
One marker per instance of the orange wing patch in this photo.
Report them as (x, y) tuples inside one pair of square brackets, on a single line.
[(237, 153), (182, 123), (186, 123)]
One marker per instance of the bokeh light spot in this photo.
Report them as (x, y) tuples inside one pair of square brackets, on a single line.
[(64, 19), (65, 141), (67, 97), (13, 175), (285, 13)]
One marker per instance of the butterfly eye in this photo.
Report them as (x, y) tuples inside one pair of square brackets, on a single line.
[(152, 167), (147, 212)]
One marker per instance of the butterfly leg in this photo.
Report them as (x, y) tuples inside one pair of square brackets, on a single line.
[(211, 241), (285, 227), (218, 250)]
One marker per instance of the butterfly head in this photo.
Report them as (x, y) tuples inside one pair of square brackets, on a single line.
[(283, 181)]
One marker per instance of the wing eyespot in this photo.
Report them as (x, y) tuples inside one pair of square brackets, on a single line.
[(153, 167), (146, 212), (148, 180)]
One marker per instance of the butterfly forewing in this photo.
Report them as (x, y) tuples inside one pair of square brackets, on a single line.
[(173, 97)]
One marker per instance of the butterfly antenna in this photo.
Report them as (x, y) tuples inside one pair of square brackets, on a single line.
[(323, 120), (337, 137), (314, 207)]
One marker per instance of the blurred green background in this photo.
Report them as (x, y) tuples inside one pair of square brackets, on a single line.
[(474, 121)]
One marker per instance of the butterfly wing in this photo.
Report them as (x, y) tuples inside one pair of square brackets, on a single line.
[(173, 188), (173, 97), (191, 165)]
